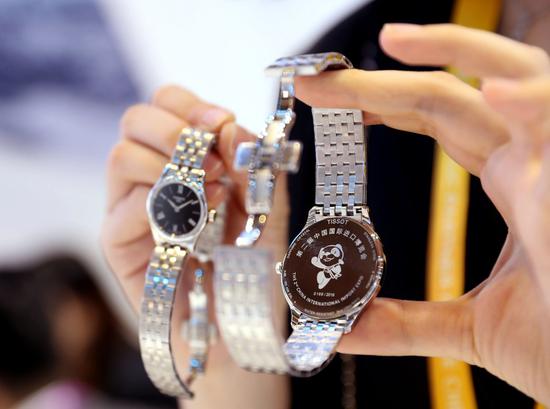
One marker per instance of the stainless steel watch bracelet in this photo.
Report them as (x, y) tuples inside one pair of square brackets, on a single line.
[(161, 282), (340, 152), (191, 149), (243, 287), (198, 331), (244, 277)]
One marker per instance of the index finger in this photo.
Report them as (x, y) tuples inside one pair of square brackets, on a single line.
[(477, 53), (187, 106)]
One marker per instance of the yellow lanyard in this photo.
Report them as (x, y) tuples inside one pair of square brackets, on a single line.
[(450, 381)]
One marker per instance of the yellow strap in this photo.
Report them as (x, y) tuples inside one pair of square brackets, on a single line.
[(451, 382)]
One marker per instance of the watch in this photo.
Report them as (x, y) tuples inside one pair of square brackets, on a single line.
[(267, 156), (181, 225), (332, 269), (272, 152)]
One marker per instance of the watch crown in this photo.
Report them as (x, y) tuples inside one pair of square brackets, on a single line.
[(279, 268), (212, 214)]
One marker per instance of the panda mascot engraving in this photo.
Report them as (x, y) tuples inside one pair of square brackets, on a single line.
[(330, 260)]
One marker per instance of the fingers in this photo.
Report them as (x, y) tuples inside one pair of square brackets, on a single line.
[(475, 52), (216, 193), (534, 224), (395, 327), (514, 171), (527, 102), (152, 127), (231, 136), (432, 103), (128, 220), (189, 107), (131, 163), (541, 218)]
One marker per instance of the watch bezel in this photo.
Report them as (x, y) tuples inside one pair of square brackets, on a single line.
[(373, 285), (158, 232)]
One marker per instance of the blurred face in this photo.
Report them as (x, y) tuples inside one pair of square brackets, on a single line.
[(76, 327)]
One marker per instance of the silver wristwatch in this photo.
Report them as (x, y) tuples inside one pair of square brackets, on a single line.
[(182, 225), (332, 269)]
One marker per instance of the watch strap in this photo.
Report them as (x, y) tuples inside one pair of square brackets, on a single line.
[(308, 64), (155, 323), (246, 318), (191, 150), (197, 330), (212, 235), (340, 151)]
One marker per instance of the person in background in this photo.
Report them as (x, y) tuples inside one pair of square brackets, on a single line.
[(61, 343)]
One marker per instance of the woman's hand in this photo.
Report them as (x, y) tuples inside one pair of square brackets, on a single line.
[(149, 134), (501, 132)]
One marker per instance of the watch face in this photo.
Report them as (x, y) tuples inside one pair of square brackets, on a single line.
[(176, 209), (330, 267)]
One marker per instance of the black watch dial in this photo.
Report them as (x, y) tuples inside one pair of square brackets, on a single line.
[(329, 267), (176, 209)]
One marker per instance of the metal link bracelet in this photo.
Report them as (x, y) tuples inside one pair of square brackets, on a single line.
[(341, 158), (244, 307), (244, 276)]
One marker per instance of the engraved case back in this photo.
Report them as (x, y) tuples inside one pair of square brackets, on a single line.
[(331, 268)]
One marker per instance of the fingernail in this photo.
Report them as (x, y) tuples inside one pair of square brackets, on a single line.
[(214, 117), (401, 28)]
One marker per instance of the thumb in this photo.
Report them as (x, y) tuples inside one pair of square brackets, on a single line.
[(231, 136), (421, 328)]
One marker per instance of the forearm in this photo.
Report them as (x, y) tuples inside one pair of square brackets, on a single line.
[(228, 386)]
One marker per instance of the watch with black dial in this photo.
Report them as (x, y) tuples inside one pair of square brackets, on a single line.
[(182, 225), (332, 269)]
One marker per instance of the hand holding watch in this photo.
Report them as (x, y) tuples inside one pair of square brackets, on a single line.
[(180, 221)]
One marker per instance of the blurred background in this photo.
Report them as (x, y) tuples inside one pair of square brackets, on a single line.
[(68, 70)]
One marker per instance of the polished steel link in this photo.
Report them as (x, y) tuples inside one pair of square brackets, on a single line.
[(247, 321), (198, 331), (309, 64), (155, 325), (212, 235), (191, 149), (264, 158), (340, 150)]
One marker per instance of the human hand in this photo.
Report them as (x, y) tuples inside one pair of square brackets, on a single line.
[(501, 133), (149, 134)]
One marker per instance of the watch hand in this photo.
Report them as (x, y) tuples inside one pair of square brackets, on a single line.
[(168, 200), (183, 205), (174, 206)]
